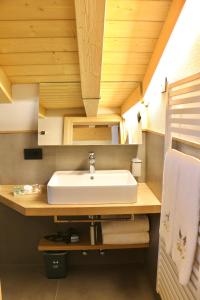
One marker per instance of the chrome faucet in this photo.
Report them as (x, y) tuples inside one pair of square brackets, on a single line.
[(91, 158)]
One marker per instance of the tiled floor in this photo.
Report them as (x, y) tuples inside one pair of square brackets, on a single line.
[(82, 283)]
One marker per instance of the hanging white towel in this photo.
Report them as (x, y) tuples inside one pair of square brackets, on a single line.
[(186, 216), (170, 178)]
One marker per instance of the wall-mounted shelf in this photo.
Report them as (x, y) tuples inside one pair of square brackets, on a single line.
[(84, 244)]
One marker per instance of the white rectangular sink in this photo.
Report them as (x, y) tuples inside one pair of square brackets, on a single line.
[(104, 187)]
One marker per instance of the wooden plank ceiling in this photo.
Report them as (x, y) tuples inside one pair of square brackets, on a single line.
[(131, 32), (38, 44)]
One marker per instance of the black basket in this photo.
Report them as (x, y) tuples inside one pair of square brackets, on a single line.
[(55, 264)]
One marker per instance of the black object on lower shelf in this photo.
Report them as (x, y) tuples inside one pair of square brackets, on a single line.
[(69, 236), (55, 264)]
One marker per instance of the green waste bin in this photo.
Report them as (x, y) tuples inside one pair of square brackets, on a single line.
[(55, 264)]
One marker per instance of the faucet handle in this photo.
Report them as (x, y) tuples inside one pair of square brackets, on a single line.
[(91, 155)]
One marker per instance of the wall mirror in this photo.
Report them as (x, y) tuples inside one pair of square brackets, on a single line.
[(64, 129), (63, 120)]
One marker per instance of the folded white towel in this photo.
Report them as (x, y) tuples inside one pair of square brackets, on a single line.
[(139, 224), (186, 216), (170, 179), (126, 238)]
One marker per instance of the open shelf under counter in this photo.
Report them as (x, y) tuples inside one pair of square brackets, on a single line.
[(45, 245), (37, 205)]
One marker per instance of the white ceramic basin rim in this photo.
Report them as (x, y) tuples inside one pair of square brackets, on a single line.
[(100, 178), (80, 187)]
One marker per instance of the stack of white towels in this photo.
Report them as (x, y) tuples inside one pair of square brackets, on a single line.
[(126, 232)]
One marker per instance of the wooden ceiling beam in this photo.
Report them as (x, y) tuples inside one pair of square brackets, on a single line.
[(90, 16), (172, 17), (91, 106), (5, 88)]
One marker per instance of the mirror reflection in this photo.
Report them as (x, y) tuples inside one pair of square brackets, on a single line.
[(63, 120), (67, 130)]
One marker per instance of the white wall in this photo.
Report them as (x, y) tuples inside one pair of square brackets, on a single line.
[(180, 59), (22, 114)]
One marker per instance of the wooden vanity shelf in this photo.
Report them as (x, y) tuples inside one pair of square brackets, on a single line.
[(37, 205), (84, 244)]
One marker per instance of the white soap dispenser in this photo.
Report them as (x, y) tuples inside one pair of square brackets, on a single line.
[(136, 166)]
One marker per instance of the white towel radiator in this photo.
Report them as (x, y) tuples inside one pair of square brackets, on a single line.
[(183, 124), (167, 282)]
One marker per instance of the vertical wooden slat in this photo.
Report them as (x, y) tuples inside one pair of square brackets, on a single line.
[(68, 132), (5, 88), (41, 112)]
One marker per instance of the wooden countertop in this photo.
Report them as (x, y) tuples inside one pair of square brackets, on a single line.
[(36, 205)]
